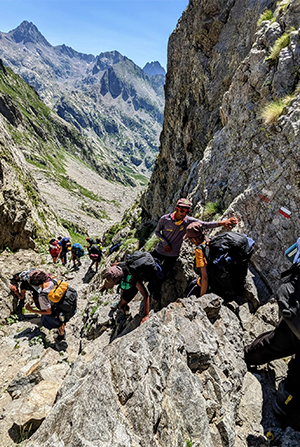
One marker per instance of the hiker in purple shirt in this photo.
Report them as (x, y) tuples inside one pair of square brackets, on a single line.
[(172, 227)]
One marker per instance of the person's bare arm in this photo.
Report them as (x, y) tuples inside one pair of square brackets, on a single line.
[(204, 281), (146, 300), (229, 223), (20, 295), (40, 312)]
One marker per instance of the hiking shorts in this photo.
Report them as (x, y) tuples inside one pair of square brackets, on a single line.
[(63, 256), (168, 262), (193, 289), (129, 294), (50, 322)]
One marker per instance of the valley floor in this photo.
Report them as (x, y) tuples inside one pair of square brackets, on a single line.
[(73, 206)]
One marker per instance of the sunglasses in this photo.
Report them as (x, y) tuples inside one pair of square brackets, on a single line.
[(183, 210)]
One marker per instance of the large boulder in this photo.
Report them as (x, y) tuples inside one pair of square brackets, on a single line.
[(177, 377)]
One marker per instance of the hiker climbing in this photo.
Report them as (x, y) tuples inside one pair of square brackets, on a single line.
[(21, 280), (77, 252), (57, 302), (282, 342), (171, 229), (222, 261), (129, 276), (64, 244), (54, 249), (95, 251)]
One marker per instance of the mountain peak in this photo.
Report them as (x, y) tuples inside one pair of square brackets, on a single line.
[(27, 32), (108, 59), (154, 68)]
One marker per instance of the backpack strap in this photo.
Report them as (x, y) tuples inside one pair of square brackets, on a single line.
[(294, 270), (205, 248)]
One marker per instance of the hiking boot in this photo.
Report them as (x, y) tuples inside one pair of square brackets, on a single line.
[(283, 397), (61, 337), (126, 310)]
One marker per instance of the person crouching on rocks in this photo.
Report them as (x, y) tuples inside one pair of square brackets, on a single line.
[(22, 280), (129, 286), (49, 321)]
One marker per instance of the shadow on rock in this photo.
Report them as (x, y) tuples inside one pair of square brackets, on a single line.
[(30, 333), (88, 276), (277, 430), (59, 346), (257, 441), (32, 318), (124, 324), (268, 382), (19, 433)]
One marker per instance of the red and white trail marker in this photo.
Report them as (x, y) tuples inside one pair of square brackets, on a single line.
[(265, 195), (285, 212)]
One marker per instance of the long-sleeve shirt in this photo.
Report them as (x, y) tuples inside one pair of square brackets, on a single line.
[(171, 231)]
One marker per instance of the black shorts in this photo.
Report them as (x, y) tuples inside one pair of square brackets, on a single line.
[(63, 255), (129, 294)]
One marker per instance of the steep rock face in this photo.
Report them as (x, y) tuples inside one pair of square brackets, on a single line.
[(24, 216), (215, 145), (176, 378), (204, 51)]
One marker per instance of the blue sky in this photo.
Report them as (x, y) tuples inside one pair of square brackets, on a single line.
[(139, 29)]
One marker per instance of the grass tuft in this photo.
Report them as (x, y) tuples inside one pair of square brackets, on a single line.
[(282, 42), (211, 209), (151, 243), (272, 111), (266, 15)]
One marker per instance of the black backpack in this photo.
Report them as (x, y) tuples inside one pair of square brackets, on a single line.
[(64, 242), (288, 297), (67, 305), (227, 262), (141, 265), (95, 252)]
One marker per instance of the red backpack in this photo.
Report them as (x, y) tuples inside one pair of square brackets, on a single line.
[(54, 249)]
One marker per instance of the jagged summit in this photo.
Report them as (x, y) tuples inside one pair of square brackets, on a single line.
[(69, 51), (27, 32), (108, 58), (154, 68)]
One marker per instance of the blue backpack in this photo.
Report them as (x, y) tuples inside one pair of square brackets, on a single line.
[(115, 247), (77, 250), (293, 252)]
